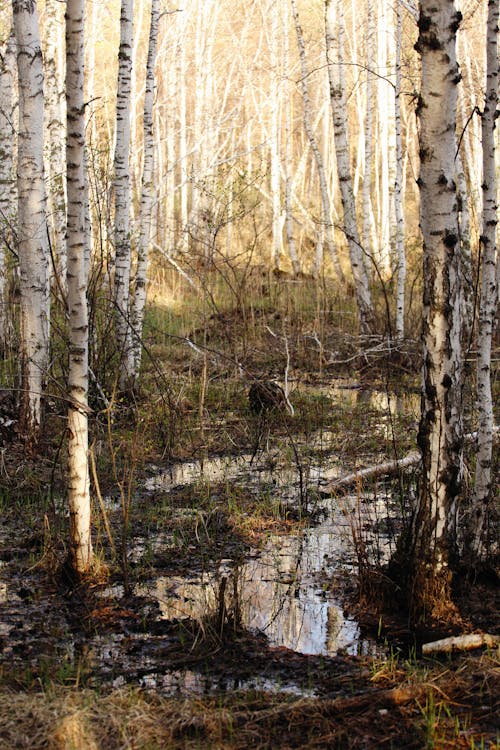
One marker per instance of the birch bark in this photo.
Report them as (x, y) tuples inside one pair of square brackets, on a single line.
[(366, 200), (440, 435), (147, 192), (488, 304), (122, 192), (275, 102), (385, 109), (55, 150), (78, 485), (334, 34), (7, 189), (290, 235), (398, 186), (326, 221), (32, 222)]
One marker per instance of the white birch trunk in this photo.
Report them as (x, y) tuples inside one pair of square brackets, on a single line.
[(32, 222), (78, 484), (326, 222), (147, 193), (440, 433), (275, 102), (55, 148), (366, 200), (488, 304), (290, 234), (398, 186), (466, 269), (334, 34), (184, 184), (123, 196), (385, 108), (7, 182)]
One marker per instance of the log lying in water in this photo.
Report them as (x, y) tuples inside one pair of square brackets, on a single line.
[(461, 643), (387, 468)]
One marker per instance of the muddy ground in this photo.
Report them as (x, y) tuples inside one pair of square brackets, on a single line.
[(197, 494)]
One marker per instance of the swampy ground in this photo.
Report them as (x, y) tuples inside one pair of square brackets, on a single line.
[(236, 603)]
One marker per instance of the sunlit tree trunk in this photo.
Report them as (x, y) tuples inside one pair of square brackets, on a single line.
[(55, 151), (290, 234), (466, 264), (275, 103), (32, 222), (122, 197), (78, 484), (488, 304), (398, 187), (181, 69), (385, 142), (7, 184), (147, 193), (334, 33), (326, 221), (440, 433), (366, 200)]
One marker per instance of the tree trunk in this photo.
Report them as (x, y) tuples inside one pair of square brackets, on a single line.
[(366, 201), (7, 182), (398, 187), (55, 155), (440, 435), (334, 34), (32, 224), (123, 197), (290, 235), (78, 485), (326, 222), (275, 103), (147, 193), (488, 304)]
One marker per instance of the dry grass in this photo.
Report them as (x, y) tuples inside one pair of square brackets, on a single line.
[(452, 704)]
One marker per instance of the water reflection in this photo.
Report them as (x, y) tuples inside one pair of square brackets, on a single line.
[(283, 591), (255, 473)]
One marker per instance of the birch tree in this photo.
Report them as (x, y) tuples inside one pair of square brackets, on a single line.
[(147, 193), (7, 194), (55, 147), (275, 102), (334, 34), (488, 303), (290, 235), (440, 435), (366, 200), (122, 192), (78, 485), (326, 222), (32, 224), (398, 186)]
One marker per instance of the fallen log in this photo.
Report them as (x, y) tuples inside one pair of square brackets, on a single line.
[(342, 484), (385, 469), (461, 643)]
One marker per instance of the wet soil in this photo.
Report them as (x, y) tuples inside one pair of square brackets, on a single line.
[(176, 613)]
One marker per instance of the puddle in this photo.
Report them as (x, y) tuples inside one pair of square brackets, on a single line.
[(284, 590), (186, 682), (254, 472)]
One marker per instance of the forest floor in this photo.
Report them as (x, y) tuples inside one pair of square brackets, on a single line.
[(190, 491)]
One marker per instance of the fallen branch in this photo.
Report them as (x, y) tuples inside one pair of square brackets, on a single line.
[(387, 468), (461, 643)]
